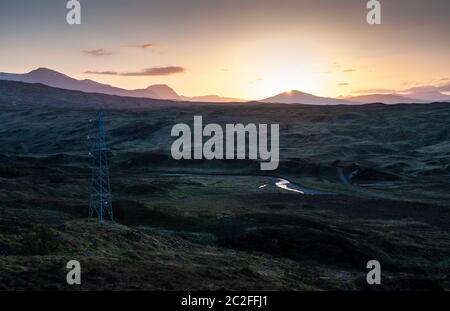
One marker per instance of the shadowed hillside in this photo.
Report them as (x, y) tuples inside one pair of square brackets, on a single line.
[(209, 224)]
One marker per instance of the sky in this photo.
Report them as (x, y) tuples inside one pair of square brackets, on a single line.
[(249, 49)]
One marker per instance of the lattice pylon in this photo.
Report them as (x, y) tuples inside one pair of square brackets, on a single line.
[(100, 204)]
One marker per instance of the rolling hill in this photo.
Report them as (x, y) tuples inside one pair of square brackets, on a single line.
[(297, 97), (59, 80), (56, 79), (388, 99)]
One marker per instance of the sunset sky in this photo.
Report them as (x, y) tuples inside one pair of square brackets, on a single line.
[(248, 49)]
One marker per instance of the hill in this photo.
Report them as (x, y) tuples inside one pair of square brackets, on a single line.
[(297, 97), (183, 225), (56, 79), (38, 95), (388, 99)]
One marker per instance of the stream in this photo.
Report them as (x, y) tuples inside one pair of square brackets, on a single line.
[(279, 182)]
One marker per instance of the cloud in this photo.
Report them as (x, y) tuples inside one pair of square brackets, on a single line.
[(349, 70), (97, 52), (343, 84), (145, 45), (155, 71), (140, 46)]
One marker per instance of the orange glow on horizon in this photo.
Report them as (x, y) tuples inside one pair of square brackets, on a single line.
[(251, 53)]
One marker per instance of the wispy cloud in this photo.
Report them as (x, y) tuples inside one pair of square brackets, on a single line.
[(97, 52), (154, 71), (140, 46), (145, 45), (349, 70), (344, 84)]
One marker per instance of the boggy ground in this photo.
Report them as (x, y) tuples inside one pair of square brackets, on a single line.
[(217, 229)]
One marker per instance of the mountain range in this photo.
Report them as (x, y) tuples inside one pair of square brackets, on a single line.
[(161, 91), (294, 97), (59, 80), (387, 99)]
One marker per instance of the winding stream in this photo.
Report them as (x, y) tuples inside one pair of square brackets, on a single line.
[(289, 186), (279, 182)]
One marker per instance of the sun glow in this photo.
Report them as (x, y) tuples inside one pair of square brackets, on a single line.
[(288, 81), (252, 53)]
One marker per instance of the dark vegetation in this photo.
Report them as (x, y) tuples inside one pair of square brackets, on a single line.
[(216, 229)]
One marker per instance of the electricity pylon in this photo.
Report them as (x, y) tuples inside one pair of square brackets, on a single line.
[(100, 205)]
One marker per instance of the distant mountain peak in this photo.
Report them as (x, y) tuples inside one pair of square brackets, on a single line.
[(299, 97), (159, 86), (163, 91), (385, 99), (56, 79), (294, 92), (43, 69), (45, 73)]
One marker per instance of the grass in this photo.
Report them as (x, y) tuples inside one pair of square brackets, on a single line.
[(213, 231)]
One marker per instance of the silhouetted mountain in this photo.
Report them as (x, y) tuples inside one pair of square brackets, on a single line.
[(385, 99), (297, 97), (161, 91), (215, 99), (36, 95), (17, 94), (429, 93), (164, 91), (56, 79)]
